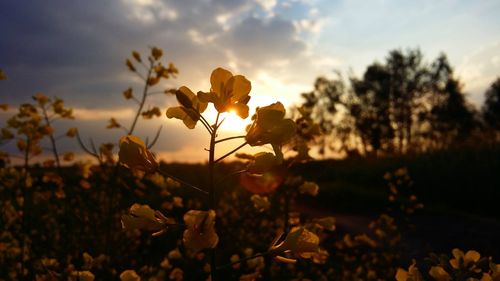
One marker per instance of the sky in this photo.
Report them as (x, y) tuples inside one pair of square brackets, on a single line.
[(76, 50)]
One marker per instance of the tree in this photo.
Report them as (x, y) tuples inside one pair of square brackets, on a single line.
[(326, 104), (491, 107), (400, 106), (370, 108), (407, 84), (451, 119)]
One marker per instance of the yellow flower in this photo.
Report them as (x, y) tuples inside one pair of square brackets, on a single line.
[(251, 276), (134, 154), (113, 124), (300, 242), (128, 93), (318, 257), (142, 217), (156, 53), (136, 56), (200, 232), (412, 274), (71, 132), (327, 223), (470, 258), (190, 109), (129, 275), (270, 126), (235, 259), (309, 187), (261, 203), (228, 92), (176, 274), (82, 276), (68, 156), (439, 274), (41, 98)]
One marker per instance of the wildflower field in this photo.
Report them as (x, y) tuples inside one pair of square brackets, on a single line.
[(401, 204)]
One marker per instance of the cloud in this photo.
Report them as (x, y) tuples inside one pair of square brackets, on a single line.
[(257, 42), (479, 70)]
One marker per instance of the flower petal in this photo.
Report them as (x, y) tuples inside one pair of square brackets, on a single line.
[(184, 114), (240, 88), (219, 79), (240, 109)]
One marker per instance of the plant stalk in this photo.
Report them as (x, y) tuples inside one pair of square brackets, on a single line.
[(143, 100), (52, 139), (211, 192)]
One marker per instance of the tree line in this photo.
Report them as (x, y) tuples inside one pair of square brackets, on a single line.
[(403, 105)]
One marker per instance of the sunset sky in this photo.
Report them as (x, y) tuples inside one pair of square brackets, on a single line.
[(76, 50)]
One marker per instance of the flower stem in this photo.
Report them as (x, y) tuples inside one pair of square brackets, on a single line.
[(230, 175), (181, 181), (143, 100), (231, 152), (51, 137), (206, 124), (211, 191), (229, 138)]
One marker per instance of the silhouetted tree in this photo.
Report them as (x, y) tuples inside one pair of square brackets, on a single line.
[(326, 103), (451, 119), (408, 77), (370, 108), (491, 107), (400, 106)]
